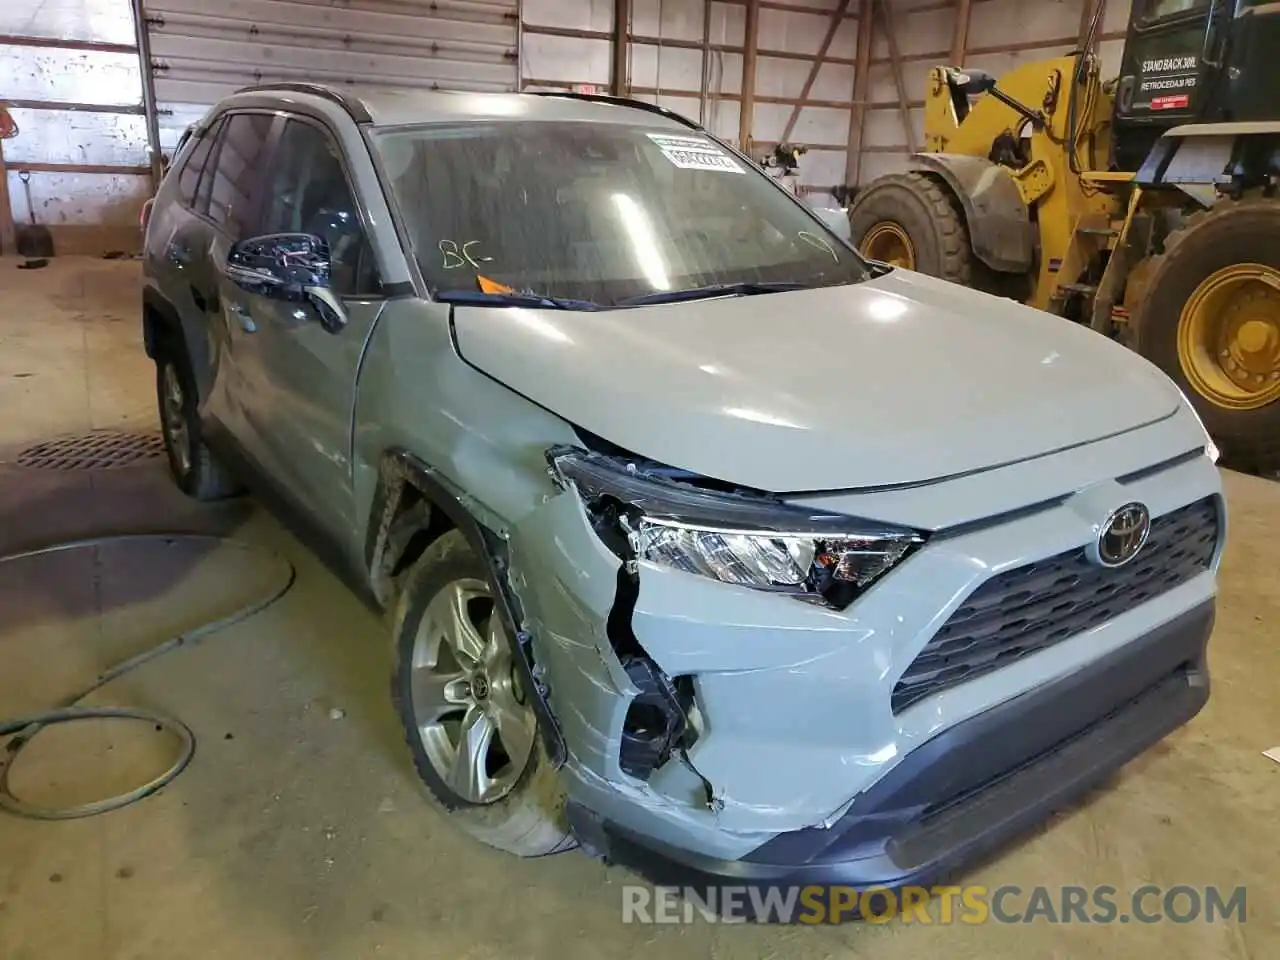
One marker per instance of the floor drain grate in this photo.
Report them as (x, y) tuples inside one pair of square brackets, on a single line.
[(98, 450)]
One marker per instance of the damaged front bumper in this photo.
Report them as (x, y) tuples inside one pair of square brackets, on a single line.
[(793, 764), (969, 790)]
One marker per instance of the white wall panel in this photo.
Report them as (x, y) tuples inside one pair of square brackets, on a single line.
[(79, 199), (561, 61), (569, 14), (724, 119), (70, 76), (668, 68), (884, 88), (878, 164), (68, 136), (669, 19), (919, 32), (785, 78), (884, 128), (202, 52), (997, 23), (815, 126), (105, 21), (803, 32)]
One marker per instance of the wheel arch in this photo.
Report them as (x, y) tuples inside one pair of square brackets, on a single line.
[(1000, 229), (413, 505), (159, 318), (162, 321)]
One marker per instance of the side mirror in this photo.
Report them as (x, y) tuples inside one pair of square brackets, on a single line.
[(290, 267)]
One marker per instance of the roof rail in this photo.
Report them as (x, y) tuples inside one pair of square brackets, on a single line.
[(354, 108), (621, 102)]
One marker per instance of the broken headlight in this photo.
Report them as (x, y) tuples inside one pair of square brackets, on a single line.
[(747, 540)]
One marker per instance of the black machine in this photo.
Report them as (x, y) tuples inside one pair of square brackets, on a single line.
[(1192, 62)]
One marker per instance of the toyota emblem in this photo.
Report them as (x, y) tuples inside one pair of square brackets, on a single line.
[(1123, 535)]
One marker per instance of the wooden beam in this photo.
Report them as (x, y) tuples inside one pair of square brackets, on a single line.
[(618, 57), (960, 35), (737, 97), (93, 46), (750, 51), (895, 61), (837, 16), (793, 8), (79, 168), (861, 94), (8, 234), (135, 108)]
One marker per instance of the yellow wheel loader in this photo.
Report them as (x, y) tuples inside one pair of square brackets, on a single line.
[(1144, 206)]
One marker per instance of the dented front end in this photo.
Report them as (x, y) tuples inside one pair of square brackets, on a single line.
[(689, 634), (723, 662)]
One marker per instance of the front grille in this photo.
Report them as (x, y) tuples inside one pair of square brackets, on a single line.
[(1030, 608)]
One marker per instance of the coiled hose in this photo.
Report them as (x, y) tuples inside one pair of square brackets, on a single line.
[(23, 730)]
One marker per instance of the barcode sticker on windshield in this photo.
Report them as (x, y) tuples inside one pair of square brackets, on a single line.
[(695, 153)]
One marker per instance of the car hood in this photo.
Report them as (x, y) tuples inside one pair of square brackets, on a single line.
[(901, 379)]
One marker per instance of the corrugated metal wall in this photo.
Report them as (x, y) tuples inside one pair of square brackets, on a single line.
[(201, 51), (69, 69), (72, 67)]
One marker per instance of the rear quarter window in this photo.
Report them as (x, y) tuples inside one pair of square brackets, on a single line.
[(197, 158)]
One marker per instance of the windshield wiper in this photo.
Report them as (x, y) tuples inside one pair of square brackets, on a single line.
[(482, 299), (713, 290)]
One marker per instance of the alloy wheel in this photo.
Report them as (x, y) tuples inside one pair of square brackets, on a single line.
[(173, 411), (476, 724)]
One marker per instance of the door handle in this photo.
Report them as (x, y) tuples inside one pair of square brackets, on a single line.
[(242, 317)]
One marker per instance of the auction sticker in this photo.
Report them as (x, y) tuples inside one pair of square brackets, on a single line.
[(695, 153)]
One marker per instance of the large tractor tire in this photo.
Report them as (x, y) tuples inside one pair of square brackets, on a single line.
[(910, 220), (1210, 318)]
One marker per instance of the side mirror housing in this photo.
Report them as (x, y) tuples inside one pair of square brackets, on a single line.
[(289, 267)]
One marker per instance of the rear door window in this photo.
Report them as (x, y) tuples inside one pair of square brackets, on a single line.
[(236, 187), (189, 177)]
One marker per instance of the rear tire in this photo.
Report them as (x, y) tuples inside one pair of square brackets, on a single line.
[(926, 213), (1229, 235), (192, 464), (517, 807)]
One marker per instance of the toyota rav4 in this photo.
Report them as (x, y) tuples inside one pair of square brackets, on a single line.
[(709, 545)]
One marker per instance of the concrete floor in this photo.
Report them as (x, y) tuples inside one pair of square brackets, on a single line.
[(293, 834)]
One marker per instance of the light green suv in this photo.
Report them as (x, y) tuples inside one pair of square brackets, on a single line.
[(709, 546)]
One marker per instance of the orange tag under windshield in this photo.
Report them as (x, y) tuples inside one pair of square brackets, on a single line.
[(492, 286)]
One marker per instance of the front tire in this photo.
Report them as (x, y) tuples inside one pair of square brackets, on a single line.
[(470, 726), (1210, 319), (194, 468), (910, 221)]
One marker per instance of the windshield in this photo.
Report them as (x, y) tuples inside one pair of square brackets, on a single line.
[(599, 214)]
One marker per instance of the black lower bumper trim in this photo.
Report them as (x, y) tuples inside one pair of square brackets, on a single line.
[(976, 786)]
